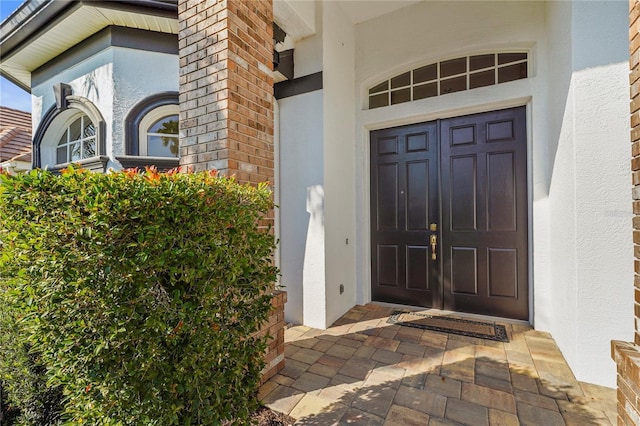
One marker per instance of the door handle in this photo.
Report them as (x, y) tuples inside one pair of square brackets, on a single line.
[(433, 239)]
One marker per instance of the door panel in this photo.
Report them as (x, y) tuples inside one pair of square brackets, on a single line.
[(404, 200), (501, 191), (503, 273), (485, 179), (464, 270), (388, 265), (417, 196), (462, 186), (417, 267), (387, 206), (468, 176)]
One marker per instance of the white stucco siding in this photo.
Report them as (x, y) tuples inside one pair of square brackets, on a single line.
[(339, 154), (588, 298), (307, 55), (556, 302), (91, 78), (604, 247), (301, 194), (137, 75), (555, 296)]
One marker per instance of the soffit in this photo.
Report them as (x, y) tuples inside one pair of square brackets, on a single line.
[(71, 29)]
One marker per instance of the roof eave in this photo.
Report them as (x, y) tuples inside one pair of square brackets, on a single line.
[(15, 81), (17, 30)]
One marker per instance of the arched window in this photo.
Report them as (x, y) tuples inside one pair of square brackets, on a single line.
[(74, 133), (454, 75), (158, 132), (78, 142), (151, 127), (151, 133)]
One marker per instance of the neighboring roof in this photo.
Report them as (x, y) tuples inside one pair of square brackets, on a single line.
[(40, 30), (15, 135)]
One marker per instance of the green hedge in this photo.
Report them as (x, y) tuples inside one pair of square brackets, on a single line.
[(134, 294)]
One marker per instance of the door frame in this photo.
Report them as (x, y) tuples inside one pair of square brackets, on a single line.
[(380, 120)]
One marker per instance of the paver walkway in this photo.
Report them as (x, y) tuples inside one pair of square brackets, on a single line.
[(364, 371)]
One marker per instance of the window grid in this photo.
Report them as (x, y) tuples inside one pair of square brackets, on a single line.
[(71, 148), (375, 96)]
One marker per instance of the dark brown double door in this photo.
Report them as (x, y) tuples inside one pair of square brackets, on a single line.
[(449, 214)]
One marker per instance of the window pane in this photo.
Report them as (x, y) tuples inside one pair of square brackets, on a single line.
[(512, 72), (505, 58), (400, 96), (89, 148), (428, 73), (61, 155), (162, 146), (74, 130), (401, 80), (483, 78), (75, 151), (482, 61), (167, 125), (377, 101), (89, 129), (425, 91), (453, 67), (380, 87), (63, 139), (455, 84)]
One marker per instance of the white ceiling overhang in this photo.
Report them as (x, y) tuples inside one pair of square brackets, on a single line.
[(297, 17), (47, 40), (363, 10)]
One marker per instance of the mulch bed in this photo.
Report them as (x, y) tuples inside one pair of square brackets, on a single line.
[(266, 417)]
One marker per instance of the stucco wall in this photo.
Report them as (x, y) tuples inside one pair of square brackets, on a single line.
[(301, 195), (136, 75), (91, 78), (114, 79), (555, 296), (339, 154), (604, 251), (586, 301)]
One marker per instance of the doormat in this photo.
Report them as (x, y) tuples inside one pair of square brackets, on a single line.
[(479, 329)]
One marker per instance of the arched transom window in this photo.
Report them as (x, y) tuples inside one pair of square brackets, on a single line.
[(449, 76), (79, 141)]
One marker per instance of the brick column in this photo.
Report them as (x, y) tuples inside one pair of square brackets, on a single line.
[(226, 106), (226, 88), (627, 355)]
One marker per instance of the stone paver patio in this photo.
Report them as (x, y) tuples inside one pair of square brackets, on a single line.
[(364, 371)]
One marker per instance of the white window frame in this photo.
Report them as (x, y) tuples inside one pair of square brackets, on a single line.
[(55, 122), (64, 130)]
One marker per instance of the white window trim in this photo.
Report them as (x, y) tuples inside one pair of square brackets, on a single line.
[(56, 122), (62, 130), (150, 118)]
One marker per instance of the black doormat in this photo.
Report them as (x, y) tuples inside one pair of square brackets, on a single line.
[(479, 329)]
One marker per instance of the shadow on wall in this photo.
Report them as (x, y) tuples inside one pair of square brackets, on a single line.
[(90, 86), (580, 36)]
